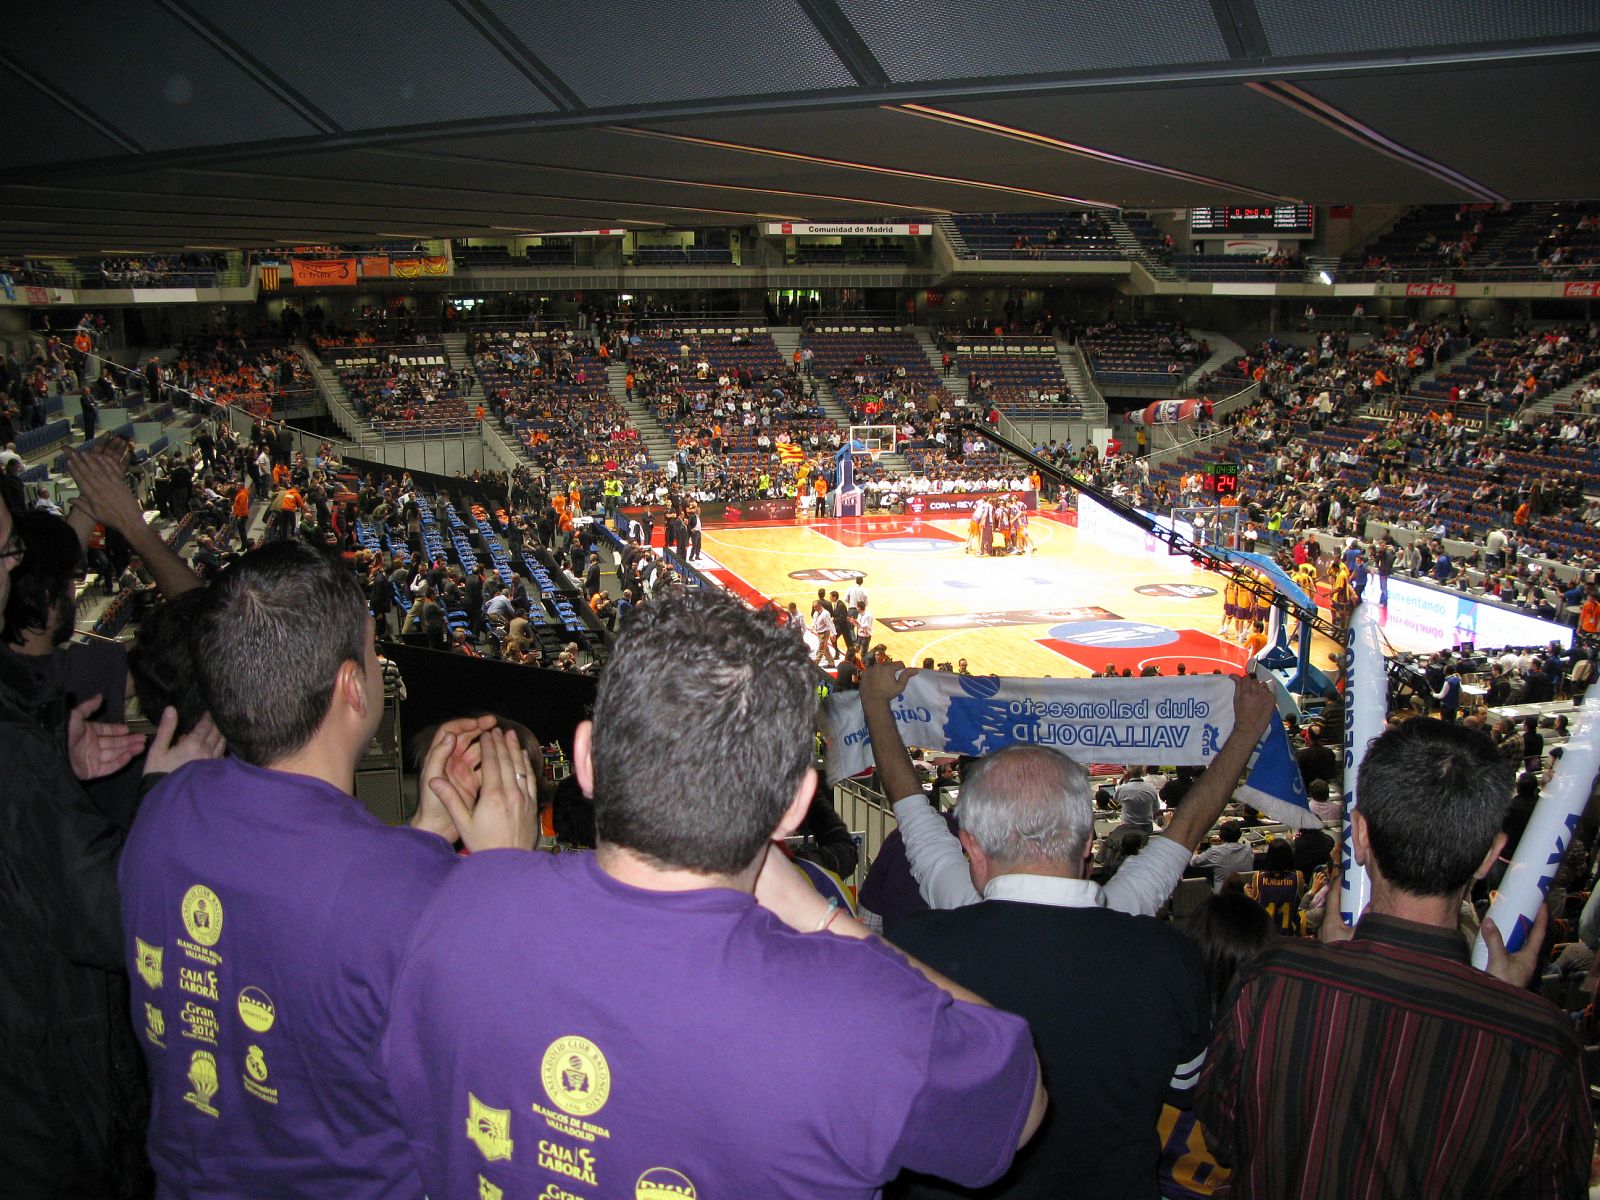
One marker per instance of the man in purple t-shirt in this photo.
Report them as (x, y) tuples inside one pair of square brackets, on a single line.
[(265, 911), (636, 1023)]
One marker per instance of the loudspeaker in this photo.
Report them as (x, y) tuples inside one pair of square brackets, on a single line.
[(380, 792)]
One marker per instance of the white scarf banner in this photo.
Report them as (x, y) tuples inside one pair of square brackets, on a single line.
[(1177, 721), (1549, 833)]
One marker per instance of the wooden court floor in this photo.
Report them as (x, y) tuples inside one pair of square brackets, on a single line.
[(1067, 610)]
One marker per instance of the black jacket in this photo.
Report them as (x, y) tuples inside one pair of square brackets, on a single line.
[(73, 1098)]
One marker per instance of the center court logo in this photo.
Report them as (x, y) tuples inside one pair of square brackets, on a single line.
[(202, 915), (576, 1076), (825, 575), (1120, 635)]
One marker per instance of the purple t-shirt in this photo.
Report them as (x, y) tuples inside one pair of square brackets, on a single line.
[(555, 1031), (265, 916)]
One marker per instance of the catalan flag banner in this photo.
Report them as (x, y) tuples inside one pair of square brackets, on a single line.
[(790, 453), (269, 277)]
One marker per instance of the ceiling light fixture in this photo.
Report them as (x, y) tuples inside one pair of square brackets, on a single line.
[(848, 165), (979, 125)]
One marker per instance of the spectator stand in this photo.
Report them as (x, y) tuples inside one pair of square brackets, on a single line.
[(1019, 375), (1046, 236), (1140, 358)]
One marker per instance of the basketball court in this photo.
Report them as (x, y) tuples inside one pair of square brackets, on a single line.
[(1069, 609)]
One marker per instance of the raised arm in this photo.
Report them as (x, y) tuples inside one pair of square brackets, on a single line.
[(1253, 708), (99, 475), (937, 862), (1144, 881)]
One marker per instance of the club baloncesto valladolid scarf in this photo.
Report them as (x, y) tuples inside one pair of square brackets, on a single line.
[(1175, 721)]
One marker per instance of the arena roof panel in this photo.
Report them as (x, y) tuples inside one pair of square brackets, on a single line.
[(457, 116)]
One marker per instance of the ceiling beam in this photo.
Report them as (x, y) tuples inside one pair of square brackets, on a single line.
[(1241, 29), (846, 42), (268, 79), (532, 68), (93, 120), (931, 91)]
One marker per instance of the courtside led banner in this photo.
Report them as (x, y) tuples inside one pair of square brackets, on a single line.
[(1174, 721)]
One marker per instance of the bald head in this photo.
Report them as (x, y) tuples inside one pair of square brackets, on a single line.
[(1026, 805)]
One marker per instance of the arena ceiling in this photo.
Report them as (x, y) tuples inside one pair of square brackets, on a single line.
[(161, 124)]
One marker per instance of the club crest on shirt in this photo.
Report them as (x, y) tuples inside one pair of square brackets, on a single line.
[(576, 1076), (489, 1128), (155, 1025), (147, 959), (488, 1191), (202, 915)]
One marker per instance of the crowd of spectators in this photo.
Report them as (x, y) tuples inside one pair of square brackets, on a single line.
[(1026, 931)]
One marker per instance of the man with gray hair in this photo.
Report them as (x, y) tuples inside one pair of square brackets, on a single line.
[(1143, 883), (1043, 944)]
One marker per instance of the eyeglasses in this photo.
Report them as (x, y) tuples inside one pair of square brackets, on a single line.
[(13, 551)]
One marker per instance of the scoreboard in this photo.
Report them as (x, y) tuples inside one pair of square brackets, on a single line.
[(1284, 220), (1222, 479)]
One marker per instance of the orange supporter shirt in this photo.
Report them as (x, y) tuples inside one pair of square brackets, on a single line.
[(241, 502), (1589, 616)]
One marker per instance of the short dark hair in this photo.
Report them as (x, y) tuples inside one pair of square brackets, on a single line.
[(161, 660), (1230, 831), (1433, 794), (45, 576), (268, 646), (703, 729)]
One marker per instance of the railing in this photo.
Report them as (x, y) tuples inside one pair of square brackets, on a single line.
[(867, 814), (1177, 446)]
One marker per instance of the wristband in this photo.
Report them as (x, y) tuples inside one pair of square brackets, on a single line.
[(827, 917)]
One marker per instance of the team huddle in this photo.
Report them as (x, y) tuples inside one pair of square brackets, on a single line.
[(1004, 515)]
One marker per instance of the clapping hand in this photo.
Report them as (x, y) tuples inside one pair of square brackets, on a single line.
[(99, 748), (166, 755), (454, 754), (506, 813)]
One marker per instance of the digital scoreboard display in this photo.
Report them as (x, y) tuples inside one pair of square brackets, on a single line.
[(1222, 479), (1282, 219)]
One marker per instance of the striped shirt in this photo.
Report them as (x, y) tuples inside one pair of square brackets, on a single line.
[(1388, 1067)]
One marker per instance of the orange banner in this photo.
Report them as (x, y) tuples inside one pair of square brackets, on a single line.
[(375, 266), (407, 268), (323, 272), (436, 265)]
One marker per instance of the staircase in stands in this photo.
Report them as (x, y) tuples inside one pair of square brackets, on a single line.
[(953, 236), (655, 439), (1223, 350), (341, 408), (455, 353), (1081, 383), (1130, 245)]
